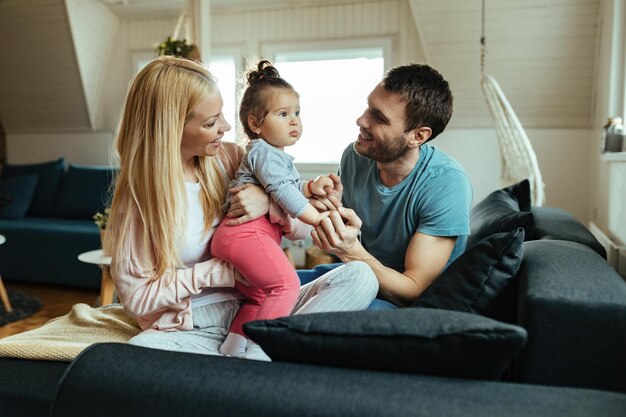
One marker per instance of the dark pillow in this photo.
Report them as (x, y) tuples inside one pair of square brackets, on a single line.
[(84, 191), (49, 178), (16, 195), (521, 192), (412, 340), (498, 212), (482, 280)]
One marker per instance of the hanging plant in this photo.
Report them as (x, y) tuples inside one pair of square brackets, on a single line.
[(177, 47)]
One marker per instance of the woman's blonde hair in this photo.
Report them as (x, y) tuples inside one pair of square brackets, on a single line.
[(150, 184)]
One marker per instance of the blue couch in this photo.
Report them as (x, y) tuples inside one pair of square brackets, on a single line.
[(47, 220), (558, 351)]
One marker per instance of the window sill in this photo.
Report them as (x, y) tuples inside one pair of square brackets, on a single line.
[(613, 157)]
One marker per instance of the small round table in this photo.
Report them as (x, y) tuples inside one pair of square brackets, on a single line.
[(3, 292), (97, 257)]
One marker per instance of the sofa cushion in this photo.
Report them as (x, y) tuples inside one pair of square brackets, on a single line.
[(49, 178), (16, 195), (414, 340), (521, 192), (499, 212), (557, 224), (83, 192), (161, 383), (482, 280), (573, 304)]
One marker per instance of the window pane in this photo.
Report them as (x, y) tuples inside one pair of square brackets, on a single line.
[(333, 88), (224, 69)]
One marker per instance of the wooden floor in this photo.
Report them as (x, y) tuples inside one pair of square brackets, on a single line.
[(56, 301)]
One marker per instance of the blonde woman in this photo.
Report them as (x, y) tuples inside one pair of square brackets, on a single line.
[(172, 182)]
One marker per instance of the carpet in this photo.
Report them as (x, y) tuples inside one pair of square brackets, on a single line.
[(24, 305)]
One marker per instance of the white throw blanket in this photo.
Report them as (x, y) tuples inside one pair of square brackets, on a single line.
[(63, 338)]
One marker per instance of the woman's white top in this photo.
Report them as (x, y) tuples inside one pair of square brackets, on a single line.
[(196, 247)]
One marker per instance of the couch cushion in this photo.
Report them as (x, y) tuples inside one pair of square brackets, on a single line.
[(415, 340), (27, 388), (83, 192), (49, 178), (482, 280), (521, 193), (45, 250), (557, 224), (499, 212), (16, 195), (176, 383), (573, 304)]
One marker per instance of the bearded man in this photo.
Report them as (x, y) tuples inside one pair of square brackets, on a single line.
[(407, 203)]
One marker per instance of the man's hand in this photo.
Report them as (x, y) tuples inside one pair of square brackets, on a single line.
[(248, 202), (332, 199), (339, 234)]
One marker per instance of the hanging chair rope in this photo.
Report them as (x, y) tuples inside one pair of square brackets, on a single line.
[(183, 18), (518, 158)]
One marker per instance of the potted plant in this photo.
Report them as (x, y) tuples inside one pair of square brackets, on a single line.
[(100, 219), (178, 47)]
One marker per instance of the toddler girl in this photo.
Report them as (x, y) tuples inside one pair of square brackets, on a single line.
[(270, 115)]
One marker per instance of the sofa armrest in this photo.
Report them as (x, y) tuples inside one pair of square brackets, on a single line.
[(124, 380), (557, 224), (573, 306)]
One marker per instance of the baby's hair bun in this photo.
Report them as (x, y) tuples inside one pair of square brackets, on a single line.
[(264, 71)]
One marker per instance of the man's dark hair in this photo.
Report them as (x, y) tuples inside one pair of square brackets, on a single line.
[(426, 93)]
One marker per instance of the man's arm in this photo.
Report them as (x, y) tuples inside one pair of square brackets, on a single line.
[(426, 256)]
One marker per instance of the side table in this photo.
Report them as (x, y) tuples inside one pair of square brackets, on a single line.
[(3, 292), (97, 257)]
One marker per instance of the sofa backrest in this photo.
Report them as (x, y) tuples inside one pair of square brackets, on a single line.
[(83, 192), (49, 177), (77, 193)]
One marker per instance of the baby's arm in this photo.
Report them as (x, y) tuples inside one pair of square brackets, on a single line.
[(311, 216)]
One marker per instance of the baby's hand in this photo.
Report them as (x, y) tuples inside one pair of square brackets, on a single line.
[(321, 185), (321, 216)]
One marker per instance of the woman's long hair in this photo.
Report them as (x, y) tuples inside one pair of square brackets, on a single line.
[(149, 186)]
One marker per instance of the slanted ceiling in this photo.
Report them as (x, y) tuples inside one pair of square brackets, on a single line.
[(542, 52), (53, 63), (40, 82), (55, 57)]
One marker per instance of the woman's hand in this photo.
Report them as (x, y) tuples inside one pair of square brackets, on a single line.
[(248, 202), (332, 200)]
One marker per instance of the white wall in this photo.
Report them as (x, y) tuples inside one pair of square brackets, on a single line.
[(93, 28), (565, 155), (609, 102), (91, 148), (562, 155)]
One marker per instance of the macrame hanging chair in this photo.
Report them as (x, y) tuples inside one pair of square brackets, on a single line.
[(518, 158)]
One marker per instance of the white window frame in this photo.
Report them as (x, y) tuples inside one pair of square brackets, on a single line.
[(237, 53), (269, 50)]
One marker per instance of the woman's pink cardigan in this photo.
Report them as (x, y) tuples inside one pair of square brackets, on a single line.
[(165, 303)]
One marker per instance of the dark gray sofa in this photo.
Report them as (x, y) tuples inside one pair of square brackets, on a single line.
[(42, 246), (571, 303)]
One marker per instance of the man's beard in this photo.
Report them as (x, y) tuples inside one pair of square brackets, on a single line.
[(384, 152)]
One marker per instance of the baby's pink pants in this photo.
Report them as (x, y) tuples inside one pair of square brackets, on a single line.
[(254, 249)]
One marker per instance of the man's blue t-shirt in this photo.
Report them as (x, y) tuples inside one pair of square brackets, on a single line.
[(434, 200)]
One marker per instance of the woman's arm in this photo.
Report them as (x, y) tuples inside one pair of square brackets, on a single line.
[(142, 295)]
